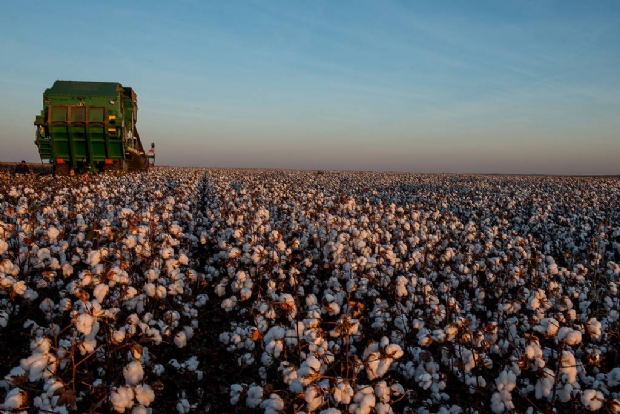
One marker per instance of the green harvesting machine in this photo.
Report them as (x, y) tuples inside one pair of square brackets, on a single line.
[(91, 126)]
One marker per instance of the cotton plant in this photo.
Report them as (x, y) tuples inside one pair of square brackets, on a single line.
[(89, 316), (310, 272), (379, 356)]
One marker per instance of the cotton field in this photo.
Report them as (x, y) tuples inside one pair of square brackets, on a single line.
[(266, 291)]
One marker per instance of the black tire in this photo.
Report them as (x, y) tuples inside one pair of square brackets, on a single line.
[(138, 163), (62, 170), (116, 166)]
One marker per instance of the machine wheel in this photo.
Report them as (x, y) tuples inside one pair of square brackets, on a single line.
[(62, 170), (138, 163), (116, 166)]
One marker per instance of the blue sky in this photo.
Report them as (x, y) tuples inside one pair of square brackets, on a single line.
[(437, 86)]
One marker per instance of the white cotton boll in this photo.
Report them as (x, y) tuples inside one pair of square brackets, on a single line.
[(158, 369), (220, 289), (201, 300), (424, 338), (121, 398), (144, 394), (192, 363), (118, 336), (89, 343), (131, 241), (254, 396), (273, 405), (291, 307), (67, 270), (266, 359), (133, 373), (393, 351), (166, 252), (125, 212), (569, 366), (229, 303), (475, 383), (235, 393), (245, 294), (15, 372), (506, 381), (613, 377), (234, 253), (20, 288), (281, 246), (311, 300), (44, 254), (183, 406), (180, 339), (183, 259), (592, 399), (189, 332), (331, 410), (41, 345), (35, 365), (569, 336), (84, 323), (343, 393), (469, 360), (397, 390), (161, 292), (94, 257), (4, 319), (245, 359), (152, 274), (138, 409), (363, 401), (373, 368), (150, 290), (544, 385), (3, 246), (52, 233), (225, 337), (564, 392), (310, 367), (30, 294), (548, 327), (501, 401), (425, 380), (382, 391), (553, 269), (383, 408), (14, 399), (100, 292), (86, 278), (594, 328), (313, 397)]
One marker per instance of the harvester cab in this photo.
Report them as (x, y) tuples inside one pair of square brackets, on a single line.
[(91, 126)]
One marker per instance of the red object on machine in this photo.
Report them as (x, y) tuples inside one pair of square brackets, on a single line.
[(60, 161)]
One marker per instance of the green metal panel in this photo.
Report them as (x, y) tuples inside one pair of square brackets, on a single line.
[(59, 114), (78, 114), (110, 89), (115, 150), (96, 114), (62, 148)]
